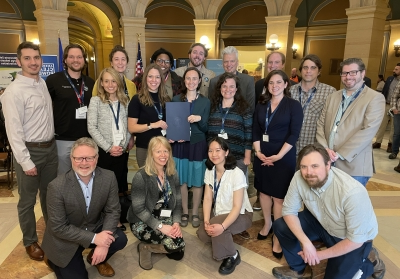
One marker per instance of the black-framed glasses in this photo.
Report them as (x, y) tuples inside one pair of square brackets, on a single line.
[(87, 159), (160, 61), (351, 73)]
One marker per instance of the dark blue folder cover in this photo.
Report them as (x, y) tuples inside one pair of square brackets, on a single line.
[(177, 121)]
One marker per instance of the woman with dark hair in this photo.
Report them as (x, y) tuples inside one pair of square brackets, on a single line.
[(226, 206), (277, 124), (173, 82), (146, 111), (380, 83), (231, 118), (190, 156), (156, 205)]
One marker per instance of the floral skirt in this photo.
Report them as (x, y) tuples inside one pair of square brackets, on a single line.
[(146, 234)]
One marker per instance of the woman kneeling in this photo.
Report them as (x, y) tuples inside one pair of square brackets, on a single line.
[(156, 205), (226, 206)]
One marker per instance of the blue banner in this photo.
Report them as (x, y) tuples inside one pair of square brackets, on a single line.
[(215, 65)]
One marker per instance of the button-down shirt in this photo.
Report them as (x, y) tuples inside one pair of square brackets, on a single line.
[(395, 97), (28, 113), (312, 111), (346, 101), (342, 205), (87, 190), (392, 88)]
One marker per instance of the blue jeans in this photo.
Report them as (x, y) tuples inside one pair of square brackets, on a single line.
[(362, 179), (344, 266), (396, 134)]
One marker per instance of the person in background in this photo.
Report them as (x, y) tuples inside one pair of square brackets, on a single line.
[(294, 77), (245, 72), (173, 82), (276, 127), (380, 84), (190, 156), (70, 92), (226, 207), (156, 205), (197, 56), (108, 126), (146, 111)]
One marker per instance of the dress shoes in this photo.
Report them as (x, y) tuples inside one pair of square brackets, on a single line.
[(397, 168), (277, 255), (103, 268), (393, 156), (376, 145), (228, 265), (35, 252), (389, 148)]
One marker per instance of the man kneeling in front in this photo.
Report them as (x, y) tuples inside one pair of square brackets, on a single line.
[(337, 211), (84, 211)]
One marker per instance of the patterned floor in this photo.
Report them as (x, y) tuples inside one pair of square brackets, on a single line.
[(256, 255)]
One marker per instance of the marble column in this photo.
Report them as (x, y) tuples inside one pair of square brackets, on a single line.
[(209, 28), (49, 22), (131, 26), (283, 26), (364, 37)]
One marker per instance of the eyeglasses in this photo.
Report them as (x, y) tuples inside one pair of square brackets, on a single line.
[(351, 73), (311, 68), (87, 159), (160, 61)]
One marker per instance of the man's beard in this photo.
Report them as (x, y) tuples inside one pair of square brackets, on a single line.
[(317, 183), (394, 74)]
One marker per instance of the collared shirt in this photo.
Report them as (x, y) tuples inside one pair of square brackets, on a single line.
[(395, 96), (206, 76), (392, 88), (86, 190), (342, 205), (28, 113), (347, 100), (312, 111)]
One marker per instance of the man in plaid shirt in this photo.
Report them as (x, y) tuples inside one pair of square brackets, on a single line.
[(395, 108), (312, 95)]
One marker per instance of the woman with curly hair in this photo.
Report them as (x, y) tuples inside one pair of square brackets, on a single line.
[(156, 205), (146, 111)]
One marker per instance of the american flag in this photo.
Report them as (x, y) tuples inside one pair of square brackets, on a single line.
[(139, 64)]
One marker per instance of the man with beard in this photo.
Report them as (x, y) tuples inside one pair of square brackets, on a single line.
[(337, 211), (312, 95), (197, 56), (84, 212), (349, 121), (387, 91), (70, 91), (30, 129)]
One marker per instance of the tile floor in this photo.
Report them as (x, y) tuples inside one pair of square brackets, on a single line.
[(257, 259)]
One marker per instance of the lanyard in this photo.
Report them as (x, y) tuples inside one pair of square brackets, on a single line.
[(192, 103), (159, 113), (126, 88), (116, 118), (352, 99), (80, 95), (224, 117), (269, 119), (165, 190), (216, 186), (309, 98)]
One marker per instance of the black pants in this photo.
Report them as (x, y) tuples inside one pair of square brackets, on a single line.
[(116, 164), (76, 267)]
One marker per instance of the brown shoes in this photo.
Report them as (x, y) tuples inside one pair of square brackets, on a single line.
[(397, 168), (389, 148), (35, 252), (103, 268), (284, 272), (376, 145), (379, 266)]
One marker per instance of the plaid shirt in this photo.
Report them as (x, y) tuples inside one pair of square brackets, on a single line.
[(395, 100), (312, 111)]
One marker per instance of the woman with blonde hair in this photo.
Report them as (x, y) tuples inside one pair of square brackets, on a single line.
[(156, 205), (146, 112), (108, 126)]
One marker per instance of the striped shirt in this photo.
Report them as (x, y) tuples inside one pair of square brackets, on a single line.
[(312, 111)]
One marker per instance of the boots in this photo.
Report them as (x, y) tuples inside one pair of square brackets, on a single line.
[(145, 251)]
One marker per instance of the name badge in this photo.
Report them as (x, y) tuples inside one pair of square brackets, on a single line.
[(119, 137), (79, 115), (165, 213), (82, 109), (163, 132), (224, 135), (265, 138)]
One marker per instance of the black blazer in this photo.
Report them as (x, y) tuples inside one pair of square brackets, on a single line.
[(385, 90)]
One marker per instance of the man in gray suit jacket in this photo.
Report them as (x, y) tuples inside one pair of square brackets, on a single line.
[(230, 60), (350, 120), (84, 211)]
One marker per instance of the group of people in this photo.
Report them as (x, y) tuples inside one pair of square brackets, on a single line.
[(83, 131)]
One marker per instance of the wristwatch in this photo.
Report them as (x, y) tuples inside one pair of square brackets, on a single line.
[(160, 226), (149, 126)]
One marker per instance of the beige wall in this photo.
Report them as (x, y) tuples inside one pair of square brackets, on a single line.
[(9, 42)]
